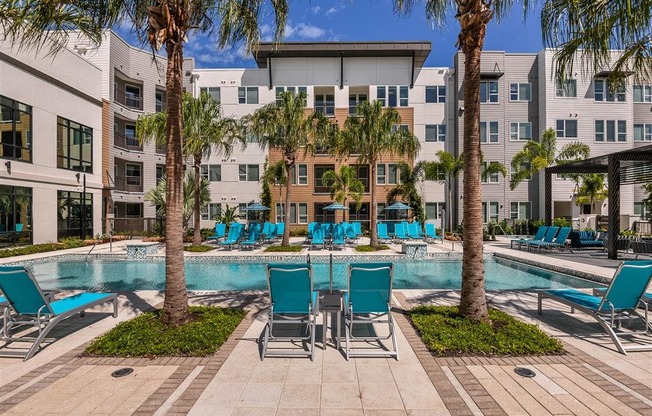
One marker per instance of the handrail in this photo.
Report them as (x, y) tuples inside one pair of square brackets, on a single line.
[(501, 229), (89, 252)]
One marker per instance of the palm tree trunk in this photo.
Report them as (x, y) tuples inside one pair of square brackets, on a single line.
[(473, 303), (175, 305), (372, 210), (196, 237), (286, 230)]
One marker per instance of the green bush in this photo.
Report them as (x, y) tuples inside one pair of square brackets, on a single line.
[(147, 336), (72, 242), (447, 333), (561, 222), (301, 232), (199, 249), (283, 249), (364, 249), (207, 232)]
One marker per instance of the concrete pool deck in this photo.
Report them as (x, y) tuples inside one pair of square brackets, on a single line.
[(591, 379)]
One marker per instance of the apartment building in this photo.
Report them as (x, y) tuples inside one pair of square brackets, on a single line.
[(519, 100), (50, 147), (336, 77)]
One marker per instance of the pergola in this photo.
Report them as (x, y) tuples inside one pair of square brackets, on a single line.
[(628, 167)]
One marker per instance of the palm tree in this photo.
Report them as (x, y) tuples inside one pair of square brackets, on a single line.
[(156, 196), (344, 184), (407, 188), (445, 171), (538, 155), (370, 134), (275, 175), (288, 129), (592, 189)]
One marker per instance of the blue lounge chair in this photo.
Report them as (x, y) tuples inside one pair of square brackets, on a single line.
[(381, 228), (349, 233), (431, 233), (318, 238), (547, 238), (280, 230), (220, 232), (234, 236), (292, 300), (338, 236), (357, 229), (327, 228), (541, 232), (28, 305), (558, 242), (414, 231), (367, 302), (254, 237), (400, 232), (622, 299), (271, 234)]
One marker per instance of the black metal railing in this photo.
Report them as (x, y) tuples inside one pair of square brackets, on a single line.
[(134, 226), (129, 183), (126, 142), (128, 100)]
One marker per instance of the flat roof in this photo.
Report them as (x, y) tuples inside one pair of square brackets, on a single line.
[(419, 49)]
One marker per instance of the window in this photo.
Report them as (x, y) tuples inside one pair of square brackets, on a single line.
[(435, 132), (520, 131), (643, 93), (216, 94), (160, 172), (362, 174), (292, 90), (605, 130), (132, 96), (520, 92), (298, 213), (322, 187), (566, 88), (302, 177), (212, 173), (75, 214), (402, 127), (247, 95), (436, 94), (642, 132), (15, 212), (160, 100), (354, 100), (15, 130), (380, 174), (491, 214), (302, 217), (325, 104), (567, 128), (493, 132), (248, 173), (392, 96), (523, 166), (520, 211), (641, 210), (133, 173), (242, 210), (355, 214), (433, 210), (492, 178), (74, 146), (393, 174), (320, 215), (134, 210), (489, 91), (210, 212), (604, 91)]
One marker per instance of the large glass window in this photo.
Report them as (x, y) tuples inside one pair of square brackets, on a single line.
[(248, 173), (643, 93), (642, 132), (435, 132), (299, 174), (248, 95), (354, 101), (492, 135), (160, 100), (322, 187), (520, 210), (435, 94), (15, 130), (212, 173), (520, 131), (392, 178), (15, 215), (567, 128), (75, 215), (211, 211), (380, 174), (74, 146), (566, 88), (325, 104), (490, 212), (393, 96), (492, 178), (520, 92), (433, 210), (293, 90), (610, 130), (604, 91), (214, 92), (641, 209), (523, 166), (321, 215), (489, 91)]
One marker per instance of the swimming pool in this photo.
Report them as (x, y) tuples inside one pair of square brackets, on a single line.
[(115, 275)]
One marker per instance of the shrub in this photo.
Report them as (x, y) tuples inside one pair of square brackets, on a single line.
[(561, 222), (283, 249), (301, 232), (199, 249), (364, 249), (70, 242)]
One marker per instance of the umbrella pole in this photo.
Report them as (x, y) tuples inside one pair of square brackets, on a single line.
[(331, 270)]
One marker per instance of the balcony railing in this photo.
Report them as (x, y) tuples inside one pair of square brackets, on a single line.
[(161, 149), (127, 142), (129, 183), (129, 100)]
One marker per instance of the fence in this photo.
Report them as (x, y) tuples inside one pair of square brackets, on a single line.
[(135, 226)]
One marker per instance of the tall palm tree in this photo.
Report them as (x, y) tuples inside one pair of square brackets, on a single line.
[(407, 188), (538, 155), (593, 188), (445, 170), (156, 196), (371, 133), (275, 175), (287, 128), (344, 184), (159, 23)]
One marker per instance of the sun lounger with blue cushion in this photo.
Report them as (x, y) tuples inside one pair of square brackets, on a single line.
[(318, 238), (400, 232), (558, 242), (254, 237), (233, 238), (414, 231), (280, 230), (381, 229), (28, 305), (431, 233), (367, 302), (622, 299), (549, 237), (220, 232), (339, 239), (294, 301), (541, 232), (357, 229)]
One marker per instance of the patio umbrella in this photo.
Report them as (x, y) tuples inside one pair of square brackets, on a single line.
[(256, 207), (398, 205), (335, 206)]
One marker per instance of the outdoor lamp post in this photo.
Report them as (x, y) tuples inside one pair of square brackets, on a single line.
[(83, 205)]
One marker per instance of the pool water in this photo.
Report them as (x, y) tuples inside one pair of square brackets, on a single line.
[(115, 275)]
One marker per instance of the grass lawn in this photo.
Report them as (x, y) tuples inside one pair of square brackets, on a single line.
[(446, 333), (199, 249), (147, 336), (365, 249), (283, 249)]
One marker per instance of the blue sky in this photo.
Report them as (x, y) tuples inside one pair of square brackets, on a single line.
[(372, 20)]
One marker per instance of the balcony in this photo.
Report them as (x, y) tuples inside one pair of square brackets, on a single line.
[(127, 142), (161, 149), (129, 183), (129, 100)]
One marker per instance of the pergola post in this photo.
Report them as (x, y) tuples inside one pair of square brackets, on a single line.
[(548, 196), (613, 178)]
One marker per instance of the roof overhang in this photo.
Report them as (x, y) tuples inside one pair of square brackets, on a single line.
[(491, 75)]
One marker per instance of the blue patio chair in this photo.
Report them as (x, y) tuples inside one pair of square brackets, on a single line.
[(558, 242), (254, 237), (339, 239), (266, 228), (414, 231), (311, 229), (327, 228), (400, 232), (318, 238), (28, 305), (368, 302), (357, 229), (232, 239), (621, 300), (280, 230), (381, 229), (19, 228), (541, 232), (431, 233), (220, 232), (547, 238), (293, 300), (349, 233), (271, 234)]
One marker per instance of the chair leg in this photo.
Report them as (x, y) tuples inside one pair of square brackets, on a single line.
[(612, 335), (313, 329), (347, 333), (265, 340), (392, 333), (43, 333)]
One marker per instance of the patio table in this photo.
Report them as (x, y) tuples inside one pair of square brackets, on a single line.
[(329, 303)]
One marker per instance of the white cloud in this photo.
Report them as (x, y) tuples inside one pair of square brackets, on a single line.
[(309, 31), (216, 56), (316, 10), (331, 11)]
